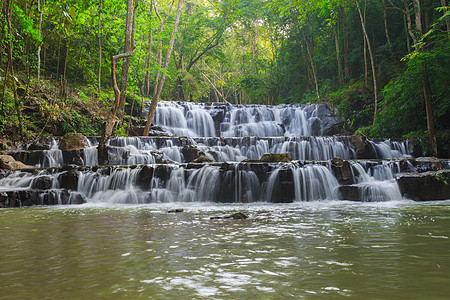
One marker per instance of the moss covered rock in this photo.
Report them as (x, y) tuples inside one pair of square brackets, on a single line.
[(271, 157), (73, 141)]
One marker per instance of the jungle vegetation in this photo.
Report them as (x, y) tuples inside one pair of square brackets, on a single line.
[(84, 65)]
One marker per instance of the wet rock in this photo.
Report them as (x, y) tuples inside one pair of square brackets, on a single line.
[(191, 153), (144, 177), (43, 143), (335, 129), (176, 210), (349, 192), (73, 141), (235, 216), (117, 155), (425, 164), (74, 157), (203, 159), (362, 147), (271, 157), (33, 197), (8, 163), (342, 171), (68, 180), (316, 127), (427, 186), (42, 183)]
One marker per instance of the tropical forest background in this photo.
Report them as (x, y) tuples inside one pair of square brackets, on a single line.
[(383, 64)]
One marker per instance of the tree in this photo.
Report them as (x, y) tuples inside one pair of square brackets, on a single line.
[(159, 81), (129, 46)]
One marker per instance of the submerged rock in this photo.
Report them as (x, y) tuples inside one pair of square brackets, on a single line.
[(235, 216), (176, 210), (427, 186), (73, 141)]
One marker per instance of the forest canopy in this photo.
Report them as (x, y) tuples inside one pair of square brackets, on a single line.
[(384, 64)]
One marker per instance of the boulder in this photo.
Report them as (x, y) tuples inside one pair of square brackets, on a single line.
[(73, 141), (68, 180), (271, 157), (42, 183), (203, 159), (362, 147), (349, 192), (74, 157), (342, 170), (426, 186), (8, 163), (42, 143), (191, 153)]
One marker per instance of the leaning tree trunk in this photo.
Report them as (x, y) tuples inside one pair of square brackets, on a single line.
[(40, 10), (375, 89), (10, 64), (158, 89), (100, 48), (112, 119), (129, 44)]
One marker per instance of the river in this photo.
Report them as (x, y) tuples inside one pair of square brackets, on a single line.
[(384, 250)]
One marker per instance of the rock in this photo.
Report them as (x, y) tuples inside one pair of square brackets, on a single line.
[(42, 183), (362, 147), (74, 157), (424, 164), (191, 153), (117, 155), (337, 161), (8, 163), (68, 180), (235, 216), (203, 159), (144, 178), (316, 127), (42, 143), (349, 192), (73, 141), (176, 210), (427, 186), (342, 170), (271, 157)]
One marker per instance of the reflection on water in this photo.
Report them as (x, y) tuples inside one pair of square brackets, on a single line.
[(384, 250)]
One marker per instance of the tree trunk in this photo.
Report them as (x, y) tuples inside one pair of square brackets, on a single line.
[(386, 30), (366, 69), (129, 29), (112, 119), (316, 83), (447, 22), (429, 112), (100, 48), (10, 64), (40, 43), (149, 55), (375, 89), (346, 46), (338, 55), (158, 89)]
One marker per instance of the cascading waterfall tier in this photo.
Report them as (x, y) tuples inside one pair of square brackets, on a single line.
[(233, 138), (226, 120), (225, 182), (149, 150)]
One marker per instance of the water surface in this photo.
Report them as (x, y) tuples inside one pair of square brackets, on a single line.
[(387, 250)]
